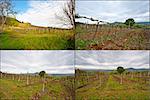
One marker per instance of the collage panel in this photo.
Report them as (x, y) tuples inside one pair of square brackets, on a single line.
[(37, 75), (74, 49), (112, 75), (37, 24), (112, 25)]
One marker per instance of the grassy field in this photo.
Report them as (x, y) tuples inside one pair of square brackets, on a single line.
[(111, 38), (88, 85), (34, 38), (106, 86), (55, 88)]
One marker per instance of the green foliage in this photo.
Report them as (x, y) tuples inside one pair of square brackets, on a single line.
[(42, 73), (80, 44), (130, 22), (120, 70), (12, 22)]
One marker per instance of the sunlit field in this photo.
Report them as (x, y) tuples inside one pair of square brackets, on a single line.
[(94, 85), (32, 38)]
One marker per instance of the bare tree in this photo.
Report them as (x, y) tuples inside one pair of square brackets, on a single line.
[(6, 10), (69, 11), (94, 20)]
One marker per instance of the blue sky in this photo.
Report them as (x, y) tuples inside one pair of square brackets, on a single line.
[(111, 59), (21, 5), (42, 12), (112, 11), (23, 61)]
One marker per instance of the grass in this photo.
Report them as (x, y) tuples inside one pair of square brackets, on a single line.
[(111, 89), (111, 38), (18, 90), (12, 89), (32, 40)]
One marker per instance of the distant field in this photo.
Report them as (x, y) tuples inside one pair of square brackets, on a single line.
[(56, 88), (106, 86), (111, 38), (36, 38)]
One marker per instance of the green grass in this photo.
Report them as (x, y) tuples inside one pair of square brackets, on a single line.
[(113, 85), (11, 89), (113, 90), (54, 40), (18, 90)]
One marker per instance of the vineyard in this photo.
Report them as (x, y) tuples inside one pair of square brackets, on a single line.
[(34, 38), (111, 37), (94, 85), (31, 87)]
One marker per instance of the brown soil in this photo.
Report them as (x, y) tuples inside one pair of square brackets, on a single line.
[(106, 46)]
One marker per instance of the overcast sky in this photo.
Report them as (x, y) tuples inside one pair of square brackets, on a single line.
[(22, 61), (62, 62), (108, 59), (113, 11), (42, 12)]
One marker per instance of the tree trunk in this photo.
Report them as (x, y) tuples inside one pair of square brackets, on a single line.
[(121, 79), (27, 80), (43, 84), (96, 30), (87, 77), (132, 74), (13, 77), (100, 81), (19, 78), (2, 25)]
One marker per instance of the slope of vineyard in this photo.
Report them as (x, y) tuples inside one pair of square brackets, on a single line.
[(111, 37), (18, 35), (106, 86), (56, 87)]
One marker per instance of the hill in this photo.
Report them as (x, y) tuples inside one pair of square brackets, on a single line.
[(109, 70), (144, 23)]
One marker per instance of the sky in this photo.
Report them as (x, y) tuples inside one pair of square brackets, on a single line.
[(23, 61), (109, 59), (113, 11), (64, 61), (47, 13)]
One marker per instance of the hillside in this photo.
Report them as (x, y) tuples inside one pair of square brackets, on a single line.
[(19, 35)]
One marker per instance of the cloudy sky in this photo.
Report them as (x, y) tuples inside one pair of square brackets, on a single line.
[(41, 12), (22, 61), (111, 59), (113, 11)]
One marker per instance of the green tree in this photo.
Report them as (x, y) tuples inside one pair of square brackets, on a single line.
[(42, 74), (120, 70), (130, 22)]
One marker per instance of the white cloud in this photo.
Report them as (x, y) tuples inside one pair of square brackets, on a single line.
[(104, 59), (44, 13), (113, 11), (19, 61)]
